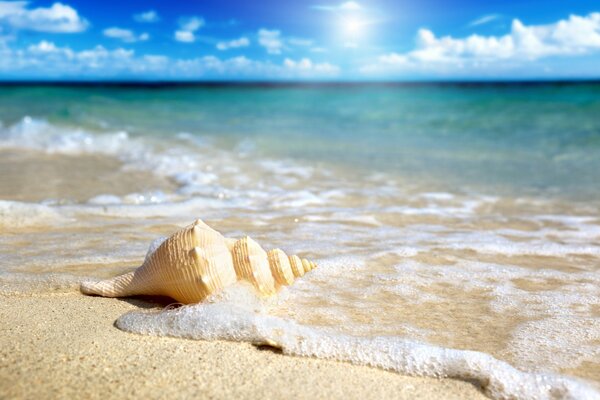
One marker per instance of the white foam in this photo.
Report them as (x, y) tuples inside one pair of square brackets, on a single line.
[(286, 167), (14, 215), (38, 134), (297, 199), (448, 210), (153, 197), (199, 167), (438, 196), (345, 217), (196, 140), (494, 243), (247, 321), (556, 343), (105, 199)]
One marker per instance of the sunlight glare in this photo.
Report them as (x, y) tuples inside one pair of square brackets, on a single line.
[(353, 26)]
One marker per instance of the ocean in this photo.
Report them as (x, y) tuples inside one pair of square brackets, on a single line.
[(456, 225)]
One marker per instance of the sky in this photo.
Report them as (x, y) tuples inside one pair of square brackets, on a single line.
[(299, 40)]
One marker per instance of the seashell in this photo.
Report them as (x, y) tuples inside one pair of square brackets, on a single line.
[(197, 261)]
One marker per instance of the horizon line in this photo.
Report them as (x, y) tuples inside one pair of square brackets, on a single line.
[(274, 83)]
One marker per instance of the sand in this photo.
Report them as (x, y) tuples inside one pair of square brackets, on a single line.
[(34, 177), (66, 346)]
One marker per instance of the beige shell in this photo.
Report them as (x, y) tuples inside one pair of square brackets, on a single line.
[(198, 261)]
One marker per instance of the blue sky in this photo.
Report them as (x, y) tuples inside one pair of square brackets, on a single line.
[(299, 40)]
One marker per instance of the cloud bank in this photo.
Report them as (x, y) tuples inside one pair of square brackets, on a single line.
[(576, 35), (125, 35), (233, 44), (147, 17), (48, 60), (270, 40), (58, 18)]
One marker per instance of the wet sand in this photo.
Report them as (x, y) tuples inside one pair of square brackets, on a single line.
[(33, 177), (65, 346)]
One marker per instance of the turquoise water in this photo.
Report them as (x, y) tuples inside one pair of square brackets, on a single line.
[(541, 139)]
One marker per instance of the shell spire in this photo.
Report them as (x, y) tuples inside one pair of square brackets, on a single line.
[(198, 261)]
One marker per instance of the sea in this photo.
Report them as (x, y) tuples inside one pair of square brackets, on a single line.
[(456, 226)]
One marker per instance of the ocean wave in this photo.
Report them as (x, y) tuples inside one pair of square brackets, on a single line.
[(196, 166), (38, 134)]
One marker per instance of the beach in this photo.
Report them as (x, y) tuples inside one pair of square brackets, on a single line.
[(455, 228), (66, 345)]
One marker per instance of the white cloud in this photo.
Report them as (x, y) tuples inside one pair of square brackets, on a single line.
[(125, 35), (576, 35), (305, 66), (294, 41), (484, 19), (274, 42), (346, 6), (100, 57), (245, 67), (58, 18), (191, 24), (8, 8), (149, 16), (185, 36), (350, 5), (45, 49), (233, 44), (270, 40), (45, 59), (187, 29)]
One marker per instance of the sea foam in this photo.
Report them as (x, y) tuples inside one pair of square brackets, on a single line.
[(239, 317), (191, 165), (14, 214)]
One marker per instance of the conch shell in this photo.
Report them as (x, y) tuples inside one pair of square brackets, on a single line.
[(198, 261)]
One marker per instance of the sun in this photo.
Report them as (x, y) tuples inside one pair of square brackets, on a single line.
[(352, 23), (353, 26)]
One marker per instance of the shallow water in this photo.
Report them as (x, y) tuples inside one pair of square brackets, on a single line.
[(464, 217)]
